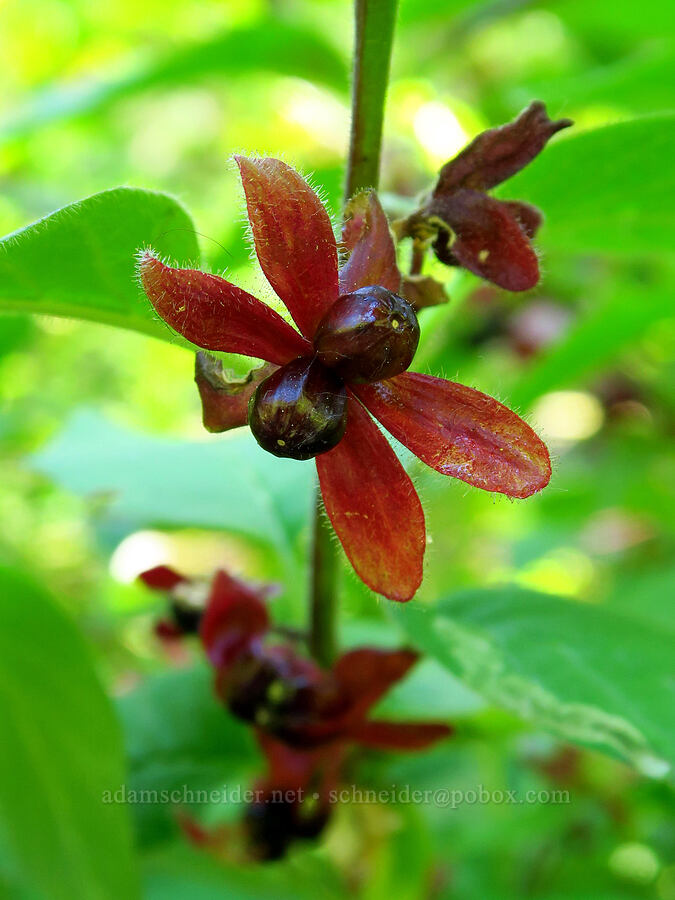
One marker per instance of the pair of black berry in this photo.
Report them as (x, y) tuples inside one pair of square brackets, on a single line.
[(300, 410)]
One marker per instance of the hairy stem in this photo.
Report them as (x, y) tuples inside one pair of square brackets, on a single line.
[(323, 588), (374, 32)]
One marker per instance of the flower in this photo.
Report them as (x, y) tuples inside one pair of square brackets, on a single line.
[(354, 317), (288, 695), (306, 719), (471, 229)]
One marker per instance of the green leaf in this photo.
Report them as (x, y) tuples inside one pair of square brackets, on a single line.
[(15, 333), (60, 752), (268, 46), (583, 672), (228, 483), (180, 739), (429, 692), (648, 594), (402, 864), (79, 262), (608, 190), (612, 21), (639, 82), (179, 872)]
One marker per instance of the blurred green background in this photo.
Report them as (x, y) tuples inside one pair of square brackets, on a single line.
[(550, 621)]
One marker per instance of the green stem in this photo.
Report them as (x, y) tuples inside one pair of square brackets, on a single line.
[(374, 32), (323, 588), (374, 24)]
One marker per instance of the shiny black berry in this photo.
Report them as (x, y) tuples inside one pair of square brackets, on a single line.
[(300, 410), (274, 821), (368, 335)]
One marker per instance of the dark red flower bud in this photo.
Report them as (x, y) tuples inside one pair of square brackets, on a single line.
[(187, 598), (300, 410), (368, 335)]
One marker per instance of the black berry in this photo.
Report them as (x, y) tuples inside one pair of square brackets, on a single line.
[(300, 410), (368, 335)]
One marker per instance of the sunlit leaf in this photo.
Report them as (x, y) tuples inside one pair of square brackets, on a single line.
[(79, 262), (639, 83), (228, 484), (609, 21), (583, 672), (606, 190), (402, 865), (267, 46)]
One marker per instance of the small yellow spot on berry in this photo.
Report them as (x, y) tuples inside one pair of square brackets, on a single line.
[(276, 692), (281, 443), (483, 255), (395, 324)]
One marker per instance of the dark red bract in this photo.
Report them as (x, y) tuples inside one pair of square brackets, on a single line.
[(306, 718), (370, 499), (274, 687), (187, 601), (468, 228), (293, 799)]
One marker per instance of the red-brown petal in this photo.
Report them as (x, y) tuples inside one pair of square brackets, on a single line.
[(499, 153), (287, 767), (528, 217), (373, 255), (399, 735), (422, 290), (293, 237), (235, 616), (295, 770), (217, 315), (485, 238), (366, 674), (225, 402), (162, 578), (374, 508), (461, 432)]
